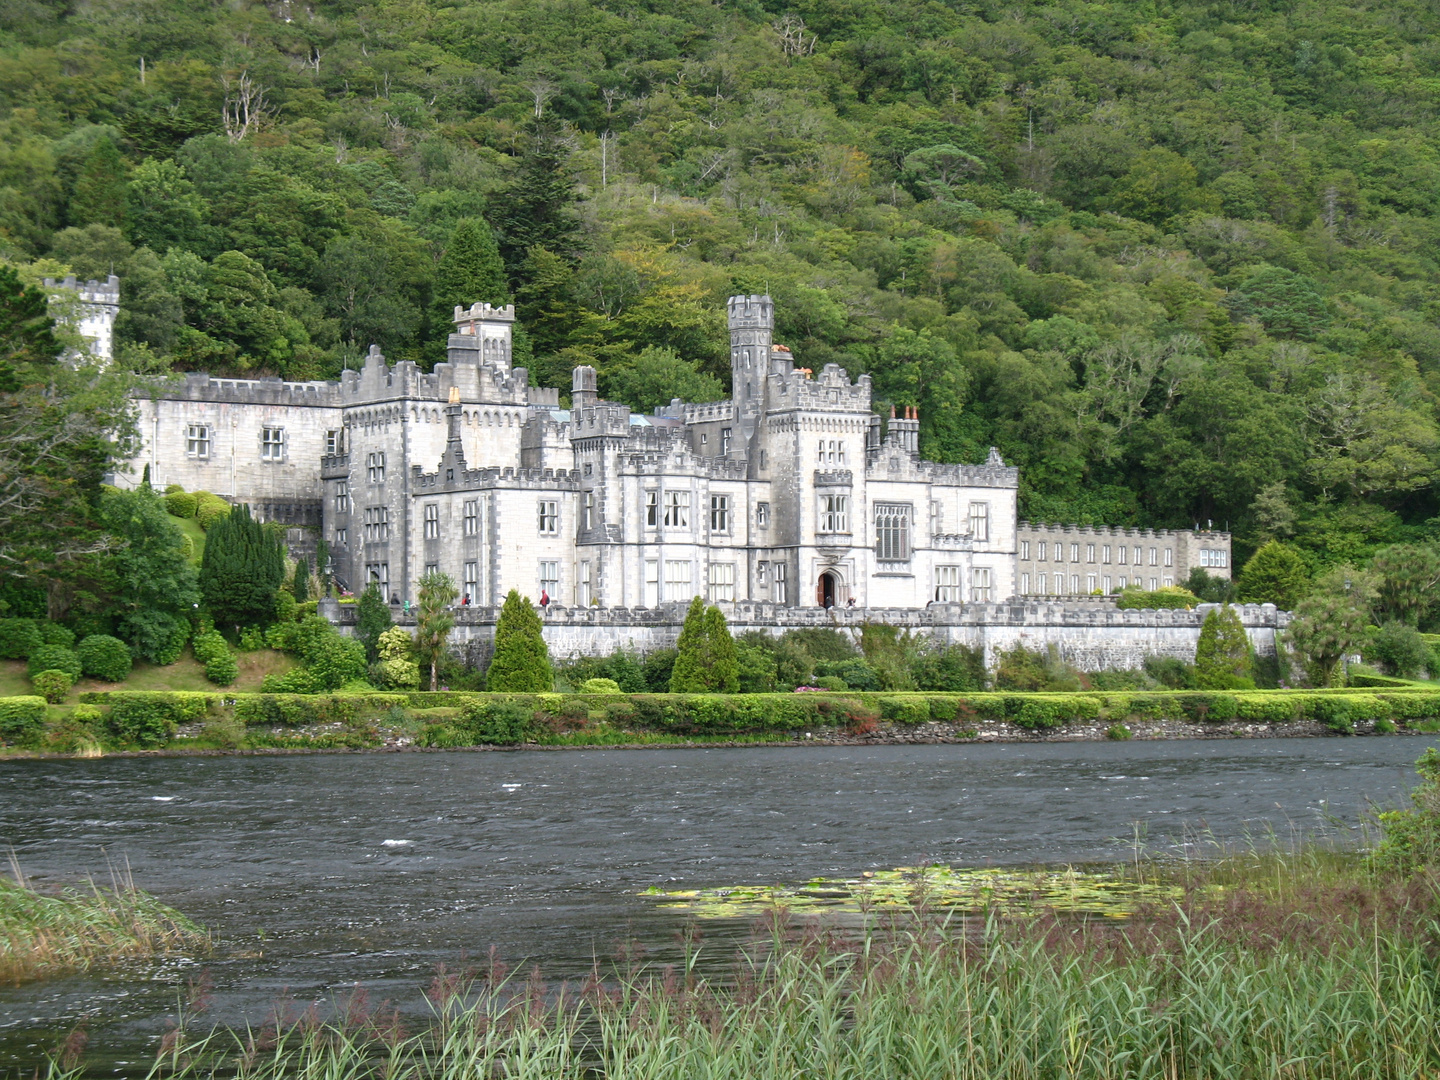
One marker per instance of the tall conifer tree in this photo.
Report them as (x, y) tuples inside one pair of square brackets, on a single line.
[(723, 675), (521, 664), (469, 271), (689, 674), (100, 190), (242, 569)]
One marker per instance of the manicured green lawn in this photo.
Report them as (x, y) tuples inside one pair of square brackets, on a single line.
[(191, 528), (184, 674)]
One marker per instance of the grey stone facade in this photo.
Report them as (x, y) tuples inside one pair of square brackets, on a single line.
[(791, 500), (1085, 560)]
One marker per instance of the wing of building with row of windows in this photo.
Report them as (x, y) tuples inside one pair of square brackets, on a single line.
[(793, 492)]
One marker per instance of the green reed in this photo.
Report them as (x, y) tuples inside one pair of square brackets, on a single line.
[(75, 928), (1183, 993)]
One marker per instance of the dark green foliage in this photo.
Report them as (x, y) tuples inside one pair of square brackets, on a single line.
[(104, 657), (497, 723), (152, 583), (1208, 588), (19, 638), (434, 619), (156, 636), (372, 618), (954, 668), (722, 665), (1322, 631), (689, 675), (1411, 838), (469, 272), (300, 583), (1223, 654), (53, 658), (1019, 668), (854, 674), (1276, 574), (52, 684), (1286, 304), (1409, 577), (656, 377), (1401, 649), (241, 570), (21, 717), (521, 663), (99, 195), (222, 670), (56, 634), (538, 209), (820, 644), (659, 667), (1171, 672), (328, 660)]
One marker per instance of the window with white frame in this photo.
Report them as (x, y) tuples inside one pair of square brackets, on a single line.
[(1169, 556), (333, 441), (1025, 549), (652, 583), (1154, 584), (652, 508), (779, 583), (376, 464), (1040, 549), (725, 440), (722, 581), (1089, 583), (432, 521), (431, 568), (947, 585), (378, 573), (1074, 584), (1216, 557), (892, 532), (584, 587), (376, 524), (1024, 584), (1105, 556), (820, 453), (1121, 554), (677, 509), (1139, 556), (1168, 581), (549, 517), (342, 497), (471, 587), (980, 521), (1123, 583), (1106, 587), (197, 441), (719, 513), (1090, 553), (342, 537), (1074, 552), (980, 584), (550, 577), (1154, 556), (834, 513), (677, 580), (470, 519), (272, 444), (762, 515), (587, 510)]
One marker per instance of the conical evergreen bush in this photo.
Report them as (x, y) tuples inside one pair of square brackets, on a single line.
[(521, 664)]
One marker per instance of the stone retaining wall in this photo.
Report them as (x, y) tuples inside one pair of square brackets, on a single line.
[(1089, 637)]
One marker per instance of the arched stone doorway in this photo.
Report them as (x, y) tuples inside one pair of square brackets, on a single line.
[(827, 591)]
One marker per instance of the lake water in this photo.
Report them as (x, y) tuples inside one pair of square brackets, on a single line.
[(316, 873)]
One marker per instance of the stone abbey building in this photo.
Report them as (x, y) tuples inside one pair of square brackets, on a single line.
[(794, 494)]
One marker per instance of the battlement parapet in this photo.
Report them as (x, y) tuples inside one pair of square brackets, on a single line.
[(1117, 531), (91, 291), (480, 312), (494, 476), (834, 478), (199, 386), (709, 412), (334, 466)]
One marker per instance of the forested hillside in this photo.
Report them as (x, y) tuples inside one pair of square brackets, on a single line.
[(1176, 260)]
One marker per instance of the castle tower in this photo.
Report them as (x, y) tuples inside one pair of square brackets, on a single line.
[(483, 336), (752, 330), (99, 304)]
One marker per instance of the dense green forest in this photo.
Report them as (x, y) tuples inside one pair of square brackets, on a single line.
[(1176, 260)]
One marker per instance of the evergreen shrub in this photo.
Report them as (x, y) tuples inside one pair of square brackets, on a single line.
[(521, 663), (222, 670), (19, 638), (52, 685), (104, 657), (181, 504), (210, 509), (148, 719), (52, 633), (54, 658), (21, 716), (600, 686), (209, 645), (905, 709)]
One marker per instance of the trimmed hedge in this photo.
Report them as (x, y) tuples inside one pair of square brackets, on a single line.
[(458, 718), (104, 657), (21, 716)]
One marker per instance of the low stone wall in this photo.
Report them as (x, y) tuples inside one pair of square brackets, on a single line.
[(1091, 637)]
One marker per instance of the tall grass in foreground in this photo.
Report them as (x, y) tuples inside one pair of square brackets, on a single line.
[(45, 934), (1343, 986)]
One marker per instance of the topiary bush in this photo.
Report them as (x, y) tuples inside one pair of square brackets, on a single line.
[(600, 686), (19, 638), (223, 669), (53, 658), (52, 633), (104, 657), (21, 717), (52, 685), (181, 504), (210, 645), (210, 509)]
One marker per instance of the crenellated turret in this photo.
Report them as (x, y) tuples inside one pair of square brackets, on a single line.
[(752, 328)]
